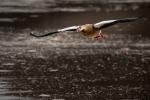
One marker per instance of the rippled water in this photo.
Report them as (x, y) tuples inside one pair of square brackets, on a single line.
[(69, 66)]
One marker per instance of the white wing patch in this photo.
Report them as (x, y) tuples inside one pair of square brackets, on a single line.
[(100, 24), (68, 28)]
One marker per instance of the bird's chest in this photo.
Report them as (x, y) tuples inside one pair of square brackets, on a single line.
[(89, 31)]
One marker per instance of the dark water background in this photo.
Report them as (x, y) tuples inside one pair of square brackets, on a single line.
[(69, 66)]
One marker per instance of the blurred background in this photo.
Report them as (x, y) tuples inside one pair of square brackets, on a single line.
[(69, 66)]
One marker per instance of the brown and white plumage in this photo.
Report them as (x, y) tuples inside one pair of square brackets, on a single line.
[(91, 30)]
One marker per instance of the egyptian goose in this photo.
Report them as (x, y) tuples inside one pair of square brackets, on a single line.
[(90, 30)]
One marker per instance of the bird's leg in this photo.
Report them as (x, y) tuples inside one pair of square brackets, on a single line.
[(100, 35)]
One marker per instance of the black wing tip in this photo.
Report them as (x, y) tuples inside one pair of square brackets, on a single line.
[(139, 17), (142, 17), (130, 19), (47, 34), (32, 34)]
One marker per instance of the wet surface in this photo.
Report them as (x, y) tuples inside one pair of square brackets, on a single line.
[(69, 66)]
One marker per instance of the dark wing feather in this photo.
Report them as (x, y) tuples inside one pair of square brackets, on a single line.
[(43, 35), (72, 28), (108, 23)]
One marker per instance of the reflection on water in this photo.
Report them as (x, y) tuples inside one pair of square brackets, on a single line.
[(69, 66)]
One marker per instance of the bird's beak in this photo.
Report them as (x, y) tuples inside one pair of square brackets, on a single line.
[(78, 29)]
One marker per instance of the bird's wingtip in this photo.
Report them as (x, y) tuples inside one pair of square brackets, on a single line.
[(32, 34), (141, 17)]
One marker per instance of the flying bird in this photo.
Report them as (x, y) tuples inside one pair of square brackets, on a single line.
[(90, 30)]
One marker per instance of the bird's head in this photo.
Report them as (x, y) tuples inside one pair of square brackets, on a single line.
[(81, 29)]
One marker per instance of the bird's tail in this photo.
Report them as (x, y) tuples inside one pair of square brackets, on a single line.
[(43, 35)]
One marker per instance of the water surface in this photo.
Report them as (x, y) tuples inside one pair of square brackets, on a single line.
[(69, 66)]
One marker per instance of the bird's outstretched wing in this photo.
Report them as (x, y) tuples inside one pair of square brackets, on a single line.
[(72, 28), (104, 24), (43, 35)]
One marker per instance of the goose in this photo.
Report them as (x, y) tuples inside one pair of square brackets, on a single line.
[(90, 30)]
